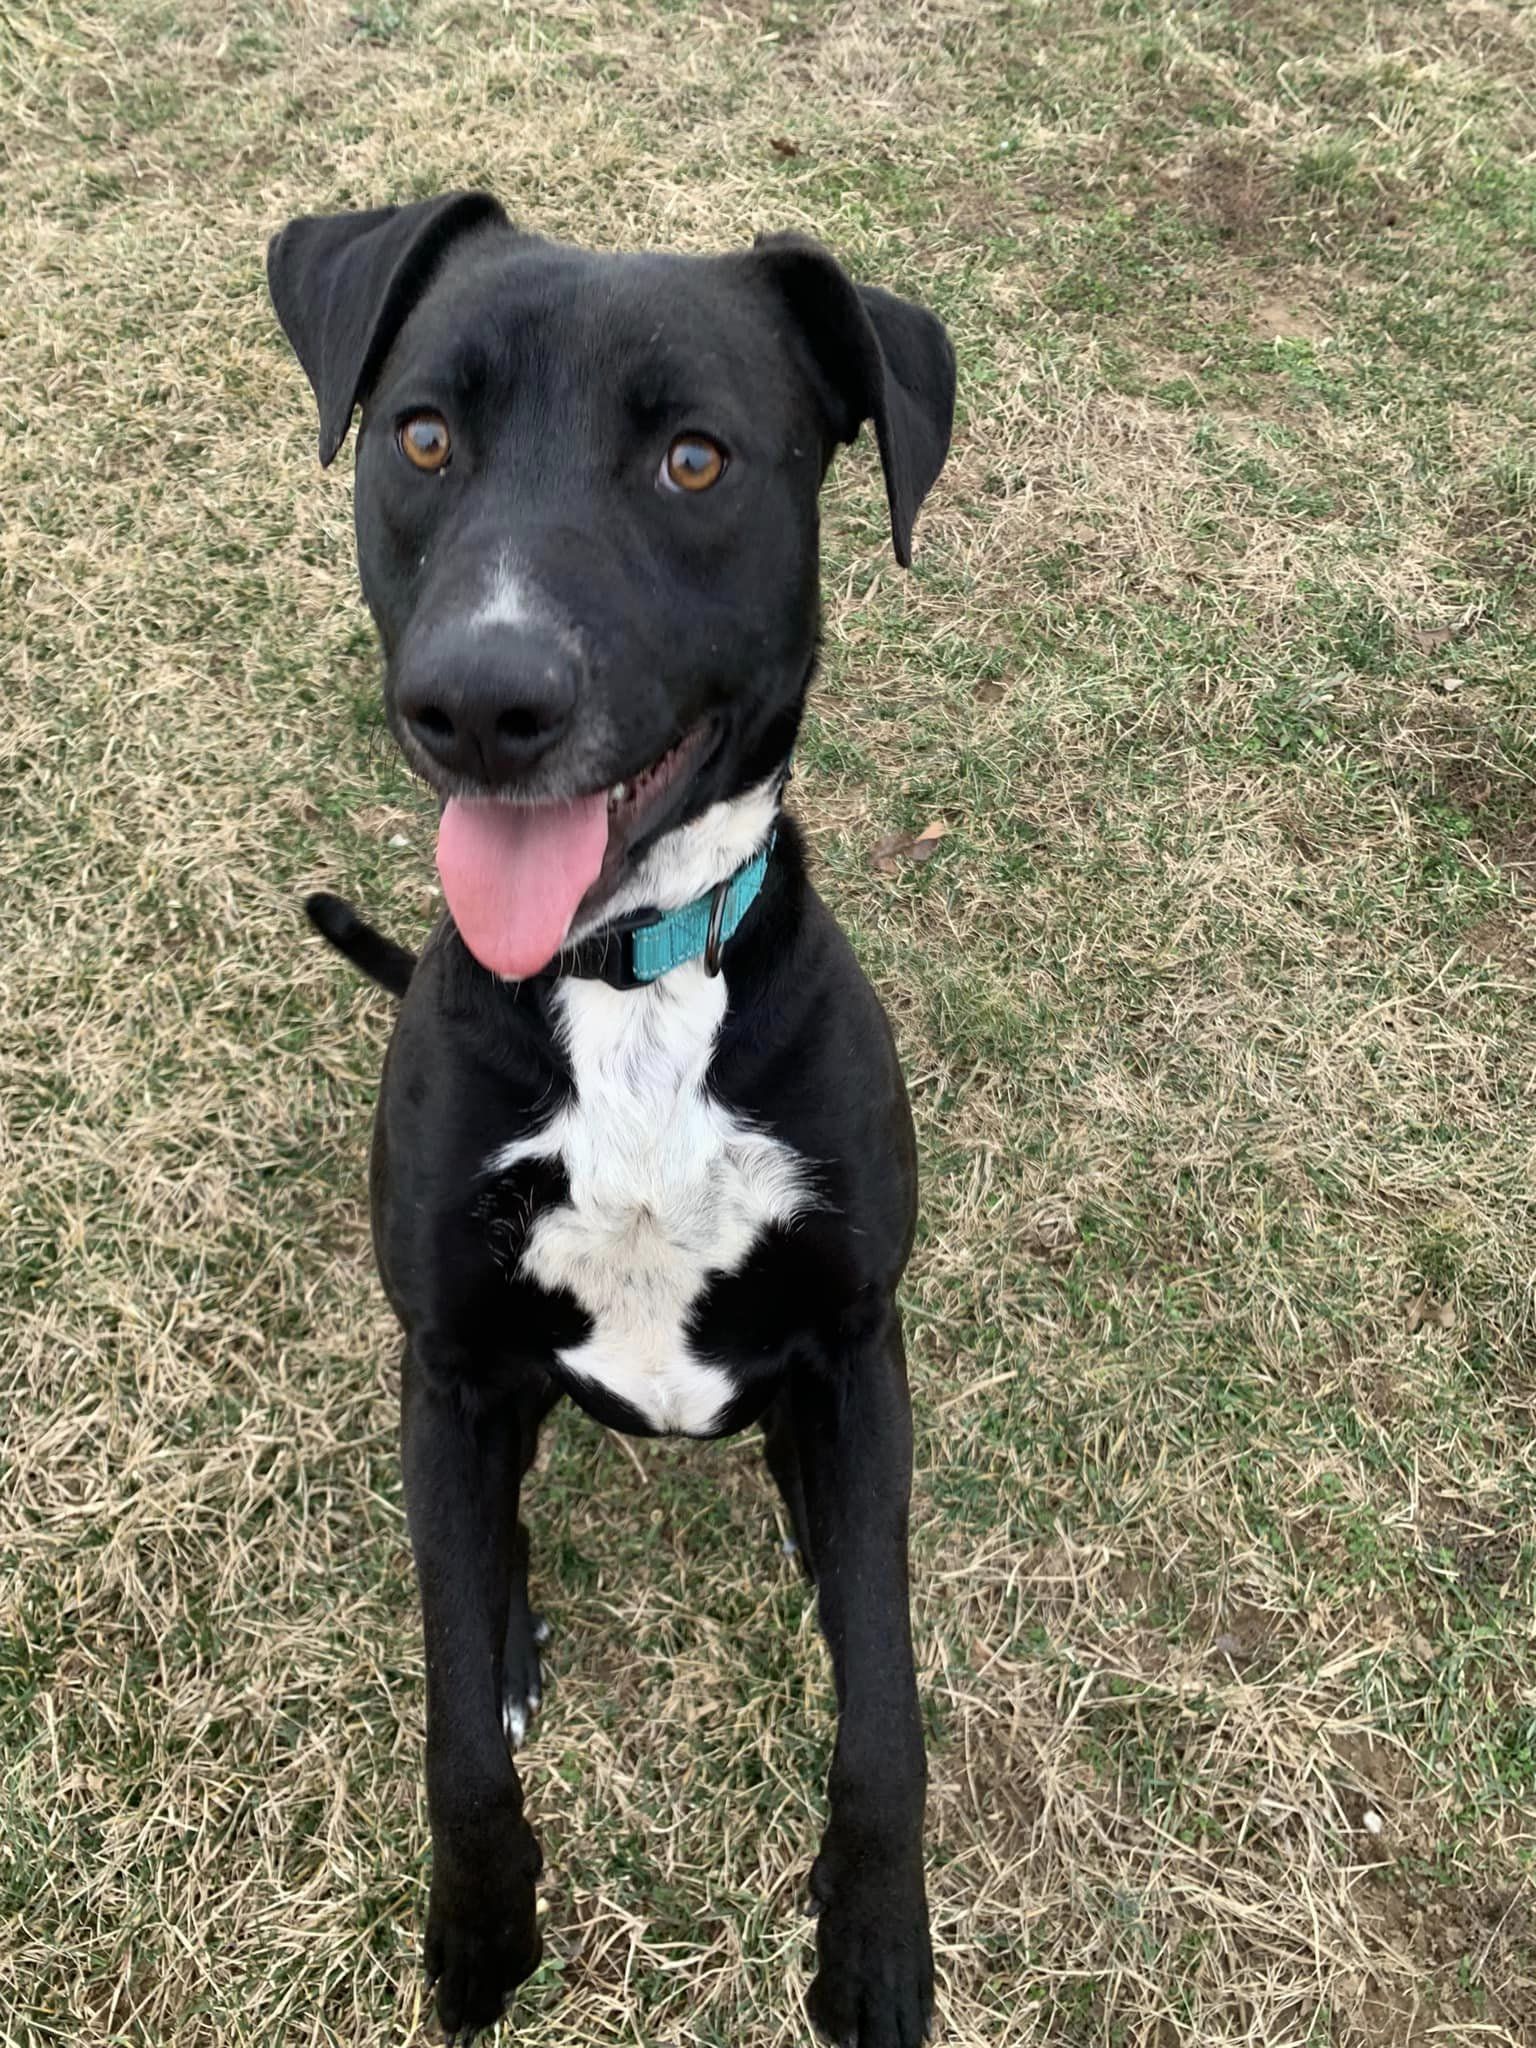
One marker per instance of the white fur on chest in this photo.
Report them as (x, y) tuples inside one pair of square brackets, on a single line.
[(667, 1190)]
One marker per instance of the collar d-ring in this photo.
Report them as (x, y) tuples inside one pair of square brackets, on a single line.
[(712, 944)]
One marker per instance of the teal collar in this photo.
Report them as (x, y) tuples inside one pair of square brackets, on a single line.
[(642, 947)]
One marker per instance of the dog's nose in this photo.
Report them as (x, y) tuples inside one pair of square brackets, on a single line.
[(489, 705)]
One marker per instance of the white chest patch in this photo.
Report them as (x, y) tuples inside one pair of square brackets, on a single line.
[(667, 1190)]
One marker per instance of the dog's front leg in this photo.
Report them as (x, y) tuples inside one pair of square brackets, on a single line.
[(853, 1429), (465, 1450)]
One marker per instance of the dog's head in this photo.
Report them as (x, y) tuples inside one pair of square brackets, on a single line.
[(586, 505)]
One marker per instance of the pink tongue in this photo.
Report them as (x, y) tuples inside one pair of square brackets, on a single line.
[(513, 875)]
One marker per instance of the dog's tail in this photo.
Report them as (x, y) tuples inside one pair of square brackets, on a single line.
[(391, 966)]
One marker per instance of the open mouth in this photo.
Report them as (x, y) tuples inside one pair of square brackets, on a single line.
[(636, 805), (516, 876)]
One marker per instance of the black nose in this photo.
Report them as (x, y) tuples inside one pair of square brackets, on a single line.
[(487, 705)]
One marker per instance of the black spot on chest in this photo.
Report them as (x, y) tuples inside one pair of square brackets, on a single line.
[(505, 1208), (788, 1297)]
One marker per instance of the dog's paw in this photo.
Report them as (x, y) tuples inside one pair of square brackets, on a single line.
[(874, 1963), (522, 1680), (482, 1941)]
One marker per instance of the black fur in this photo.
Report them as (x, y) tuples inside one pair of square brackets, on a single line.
[(391, 966), (564, 375)]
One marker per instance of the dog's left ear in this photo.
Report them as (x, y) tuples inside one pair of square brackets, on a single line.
[(343, 283), (877, 357)]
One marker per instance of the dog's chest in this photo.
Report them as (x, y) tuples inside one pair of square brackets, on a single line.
[(667, 1189)]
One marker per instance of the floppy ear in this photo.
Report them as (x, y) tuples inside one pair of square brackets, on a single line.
[(877, 357), (342, 284)]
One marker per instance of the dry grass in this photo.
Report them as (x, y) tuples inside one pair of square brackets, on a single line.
[(1217, 1004)]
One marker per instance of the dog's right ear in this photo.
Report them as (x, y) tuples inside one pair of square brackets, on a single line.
[(343, 283)]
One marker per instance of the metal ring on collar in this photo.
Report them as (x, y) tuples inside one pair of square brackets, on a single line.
[(713, 943)]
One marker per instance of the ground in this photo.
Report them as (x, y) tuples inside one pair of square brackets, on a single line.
[(1216, 998)]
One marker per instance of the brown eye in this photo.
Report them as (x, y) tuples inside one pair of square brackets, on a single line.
[(424, 440), (693, 463)]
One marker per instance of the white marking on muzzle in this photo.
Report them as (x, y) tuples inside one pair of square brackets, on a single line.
[(508, 602)]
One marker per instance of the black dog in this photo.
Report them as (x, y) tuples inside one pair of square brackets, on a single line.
[(642, 1137)]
